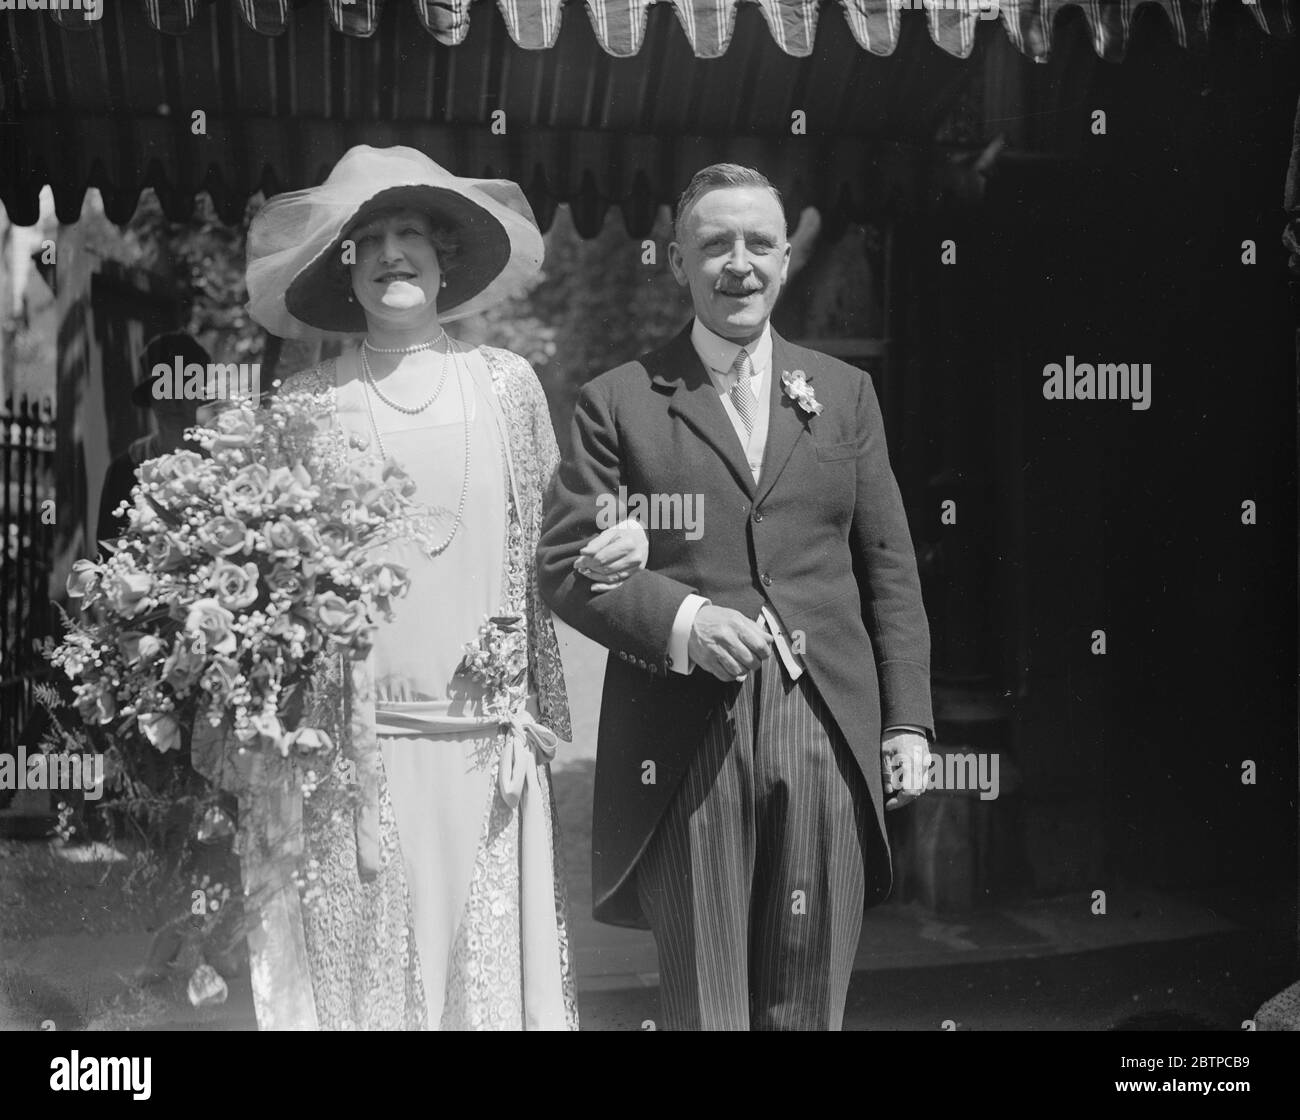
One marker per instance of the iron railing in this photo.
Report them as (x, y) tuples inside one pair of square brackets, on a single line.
[(27, 514)]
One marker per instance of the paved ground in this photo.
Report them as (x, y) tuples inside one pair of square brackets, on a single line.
[(1211, 979)]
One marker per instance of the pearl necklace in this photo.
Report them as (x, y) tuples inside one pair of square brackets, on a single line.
[(404, 409), (433, 550), (413, 349)]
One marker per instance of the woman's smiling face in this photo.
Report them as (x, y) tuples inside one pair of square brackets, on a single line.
[(396, 274)]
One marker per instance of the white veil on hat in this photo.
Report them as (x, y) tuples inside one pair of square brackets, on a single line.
[(297, 283)]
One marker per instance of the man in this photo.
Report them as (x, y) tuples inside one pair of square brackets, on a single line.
[(739, 796), (172, 414)]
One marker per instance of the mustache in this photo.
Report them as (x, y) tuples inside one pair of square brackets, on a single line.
[(739, 287)]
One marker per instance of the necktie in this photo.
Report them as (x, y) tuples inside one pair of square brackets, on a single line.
[(742, 392)]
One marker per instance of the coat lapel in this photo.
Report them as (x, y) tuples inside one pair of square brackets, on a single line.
[(785, 424), (678, 367)]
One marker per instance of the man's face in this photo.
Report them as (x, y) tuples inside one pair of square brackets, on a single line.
[(396, 270), (734, 257), (171, 418)]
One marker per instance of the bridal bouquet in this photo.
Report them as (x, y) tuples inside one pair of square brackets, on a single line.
[(238, 570)]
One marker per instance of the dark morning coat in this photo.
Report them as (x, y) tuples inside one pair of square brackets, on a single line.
[(822, 537)]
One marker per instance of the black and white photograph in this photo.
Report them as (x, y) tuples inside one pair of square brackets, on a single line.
[(651, 515)]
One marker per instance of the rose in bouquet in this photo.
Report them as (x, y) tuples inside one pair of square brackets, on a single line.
[(239, 569)]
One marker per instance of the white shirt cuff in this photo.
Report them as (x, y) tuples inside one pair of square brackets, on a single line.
[(679, 659)]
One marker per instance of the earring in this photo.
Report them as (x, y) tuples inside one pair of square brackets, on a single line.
[(352, 297), (444, 282)]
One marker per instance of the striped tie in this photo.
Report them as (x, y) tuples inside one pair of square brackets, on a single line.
[(742, 392)]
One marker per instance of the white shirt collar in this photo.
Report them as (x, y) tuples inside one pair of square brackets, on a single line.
[(719, 353)]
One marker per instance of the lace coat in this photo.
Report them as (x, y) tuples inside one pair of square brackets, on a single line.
[(353, 965)]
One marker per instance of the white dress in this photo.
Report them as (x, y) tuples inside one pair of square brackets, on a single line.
[(445, 935)]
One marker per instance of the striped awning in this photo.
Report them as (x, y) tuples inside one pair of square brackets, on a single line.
[(286, 86), (113, 110), (620, 25)]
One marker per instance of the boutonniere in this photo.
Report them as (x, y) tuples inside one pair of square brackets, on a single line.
[(795, 384)]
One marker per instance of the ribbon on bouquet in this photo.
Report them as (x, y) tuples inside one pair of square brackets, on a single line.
[(523, 742), (362, 749), (269, 842), (525, 745)]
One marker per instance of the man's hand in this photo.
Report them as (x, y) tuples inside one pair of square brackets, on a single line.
[(727, 644), (904, 763), (610, 557)]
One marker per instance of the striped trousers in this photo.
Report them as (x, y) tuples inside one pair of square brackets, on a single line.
[(754, 881)]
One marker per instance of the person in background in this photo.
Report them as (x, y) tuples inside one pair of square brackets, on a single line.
[(171, 418)]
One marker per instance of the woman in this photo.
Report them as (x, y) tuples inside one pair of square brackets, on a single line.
[(437, 903)]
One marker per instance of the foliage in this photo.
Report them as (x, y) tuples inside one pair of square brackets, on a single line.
[(596, 304), (151, 799), (203, 259)]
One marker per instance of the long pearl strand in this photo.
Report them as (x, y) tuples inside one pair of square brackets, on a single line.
[(433, 550)]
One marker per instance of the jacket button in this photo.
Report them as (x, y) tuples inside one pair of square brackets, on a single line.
[(758, 516), (767, 580)]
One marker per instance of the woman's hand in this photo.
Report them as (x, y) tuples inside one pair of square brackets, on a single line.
[(610, 557)]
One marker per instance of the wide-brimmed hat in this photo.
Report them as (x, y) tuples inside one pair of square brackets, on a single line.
[(164, 349), (298, 285)]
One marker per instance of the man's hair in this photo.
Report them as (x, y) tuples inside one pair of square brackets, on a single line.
[(714, 177)]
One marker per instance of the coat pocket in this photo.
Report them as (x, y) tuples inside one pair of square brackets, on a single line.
[(829, 452)]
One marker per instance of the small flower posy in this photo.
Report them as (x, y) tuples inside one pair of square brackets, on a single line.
[(795, 384), (499, 662), (237, 571)]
